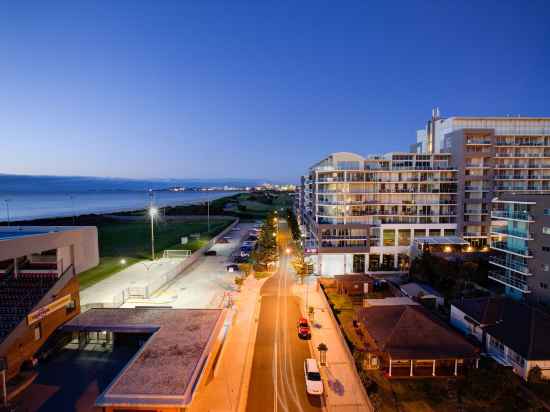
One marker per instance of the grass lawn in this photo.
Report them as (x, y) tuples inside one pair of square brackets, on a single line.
[(132, 241)]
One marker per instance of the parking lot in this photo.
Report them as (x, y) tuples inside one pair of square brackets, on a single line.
[(207, 283)]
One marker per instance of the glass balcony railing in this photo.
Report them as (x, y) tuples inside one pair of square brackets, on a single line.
[(524, 234), (505, 247), (509, 280), (512, 264), (511, 215)]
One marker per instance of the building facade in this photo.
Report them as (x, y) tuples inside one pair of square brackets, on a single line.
[(494, 156), (520, 245), (361, 214)]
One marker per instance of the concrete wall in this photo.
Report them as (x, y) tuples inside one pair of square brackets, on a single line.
[(77, 245)]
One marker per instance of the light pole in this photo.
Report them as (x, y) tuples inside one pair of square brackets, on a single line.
[(208, 212), (152, 213), (72, 205), (7, 209)]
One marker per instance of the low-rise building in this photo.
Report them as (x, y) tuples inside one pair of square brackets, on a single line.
[(170, 368), (511, 332), (407, 341)]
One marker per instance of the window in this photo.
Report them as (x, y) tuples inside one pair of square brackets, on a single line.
[(546, 230), (543, 285), (546, 267), (546, 248), (404, 237), (37, 333), (546, 212), (389, 237)]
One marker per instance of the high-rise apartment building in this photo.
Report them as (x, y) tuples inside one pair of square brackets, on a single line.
[(362, 214), (494, 156), (520, 242)]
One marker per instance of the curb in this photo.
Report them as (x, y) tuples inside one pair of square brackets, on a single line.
[(245, 379)]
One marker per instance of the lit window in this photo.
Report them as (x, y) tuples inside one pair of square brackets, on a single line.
[(546, 230), (37, 333), (547, 212)]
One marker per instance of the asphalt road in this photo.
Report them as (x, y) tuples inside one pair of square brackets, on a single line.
[(277, 379)]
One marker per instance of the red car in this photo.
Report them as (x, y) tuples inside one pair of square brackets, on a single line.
[(304, 330)]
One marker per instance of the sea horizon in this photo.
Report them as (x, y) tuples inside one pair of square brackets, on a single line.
[(24, 197)]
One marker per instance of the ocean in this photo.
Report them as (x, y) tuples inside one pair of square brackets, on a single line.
[(34, 197)]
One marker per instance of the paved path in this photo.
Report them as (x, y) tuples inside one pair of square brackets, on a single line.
[(277, 378), (203, 284), (344, 391)]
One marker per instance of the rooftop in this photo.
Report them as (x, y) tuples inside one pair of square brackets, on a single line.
[(167, 367), (410, 332), (12, 232), (519, 326)]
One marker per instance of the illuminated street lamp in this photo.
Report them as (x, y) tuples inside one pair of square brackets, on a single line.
[(288, 251), (153, 211)]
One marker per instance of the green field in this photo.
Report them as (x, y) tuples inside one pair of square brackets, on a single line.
[(132, 241)]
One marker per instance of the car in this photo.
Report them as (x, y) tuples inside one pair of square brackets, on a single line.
[(227, 237), (232, 268), (210, 253), (236, 229), (304, 331), (314, 384)]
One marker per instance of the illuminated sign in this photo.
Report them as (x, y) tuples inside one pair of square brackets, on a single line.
[(44, 311)]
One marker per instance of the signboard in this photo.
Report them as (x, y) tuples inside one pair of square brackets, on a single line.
[(44, 311)]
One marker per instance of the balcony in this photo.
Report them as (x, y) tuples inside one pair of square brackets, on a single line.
[(506, 248), (510, 264), (504, 214), (509, 232), (509, 280)]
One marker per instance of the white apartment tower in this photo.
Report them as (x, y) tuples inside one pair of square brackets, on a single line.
[(362, 214)]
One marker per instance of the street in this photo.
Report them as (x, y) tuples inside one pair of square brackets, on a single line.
[(277, 378)]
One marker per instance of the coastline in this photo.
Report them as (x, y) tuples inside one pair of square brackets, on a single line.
[(93, 213)]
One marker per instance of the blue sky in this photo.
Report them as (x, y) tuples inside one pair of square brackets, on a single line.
[(258, 89)]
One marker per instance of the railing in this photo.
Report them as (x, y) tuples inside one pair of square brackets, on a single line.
[(501, 143), (503, 246), (511, 215), (509, 232), (517, 266), (509, 281)]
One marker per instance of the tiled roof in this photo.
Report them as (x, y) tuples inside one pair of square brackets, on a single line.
[(410, 332)]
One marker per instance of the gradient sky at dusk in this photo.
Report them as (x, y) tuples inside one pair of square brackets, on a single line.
[(257, 89)]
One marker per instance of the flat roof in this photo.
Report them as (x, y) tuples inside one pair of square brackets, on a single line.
[(166, 368), (13, 232), (441, 240)]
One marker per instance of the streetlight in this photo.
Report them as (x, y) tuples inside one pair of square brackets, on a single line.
[(322, 348), (153, 212), (7, 209)]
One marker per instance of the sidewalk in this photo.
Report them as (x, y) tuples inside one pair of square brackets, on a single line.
[(343, 389), (225, 390)]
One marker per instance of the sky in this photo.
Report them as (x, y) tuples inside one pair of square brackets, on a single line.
[(253, 89)]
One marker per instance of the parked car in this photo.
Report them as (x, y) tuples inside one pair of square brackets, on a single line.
[(227, 237), (232, 268), (314, 384), (210, 253), (240, 259), (304, 331)]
